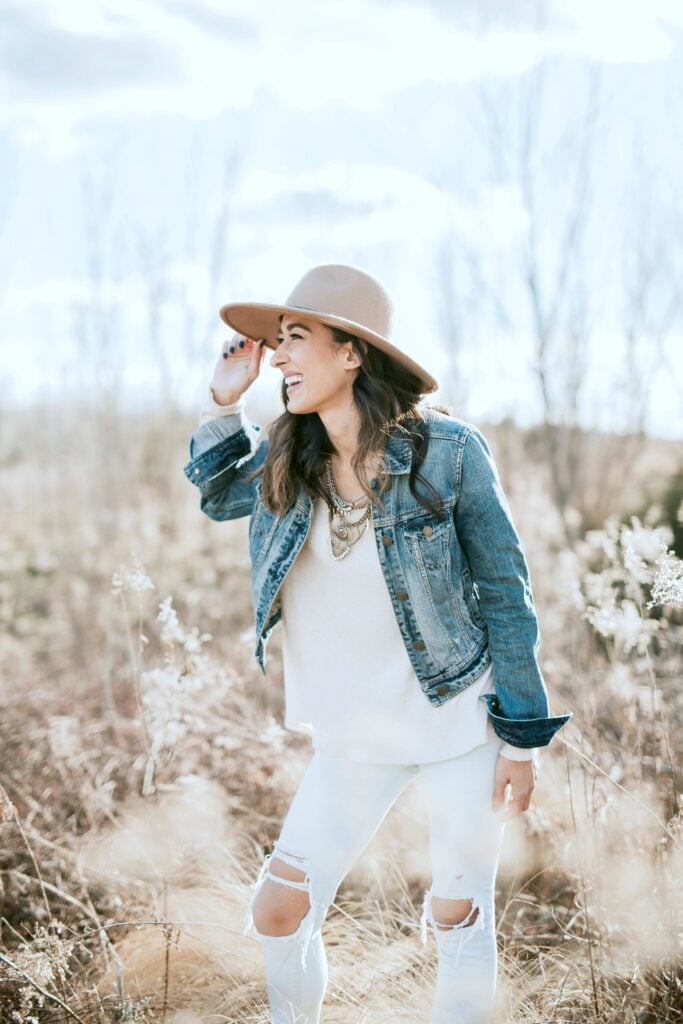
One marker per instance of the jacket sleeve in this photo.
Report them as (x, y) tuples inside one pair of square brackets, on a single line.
[(518, 709), (223, 449)]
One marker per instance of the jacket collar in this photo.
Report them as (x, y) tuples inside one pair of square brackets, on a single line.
[(398, 453)]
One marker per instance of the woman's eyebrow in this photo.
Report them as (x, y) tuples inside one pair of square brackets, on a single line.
[(290, 327)]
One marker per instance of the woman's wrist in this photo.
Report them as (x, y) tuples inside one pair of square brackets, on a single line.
[(222, 400)]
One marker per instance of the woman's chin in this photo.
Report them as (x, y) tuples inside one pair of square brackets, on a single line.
[(294, 404)]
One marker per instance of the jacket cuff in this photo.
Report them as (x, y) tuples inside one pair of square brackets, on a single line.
[(522, 732), (210, 462)]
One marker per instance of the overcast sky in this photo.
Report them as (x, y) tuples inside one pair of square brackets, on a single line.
[(158, 159)]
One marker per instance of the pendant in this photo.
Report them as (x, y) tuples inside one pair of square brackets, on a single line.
[(340, 548)]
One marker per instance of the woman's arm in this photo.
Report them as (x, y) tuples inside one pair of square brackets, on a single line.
[(223, 449), (518, 710)]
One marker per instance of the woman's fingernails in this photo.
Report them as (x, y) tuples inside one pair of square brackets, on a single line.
[(241, 344), (225, 355), (231, 349)]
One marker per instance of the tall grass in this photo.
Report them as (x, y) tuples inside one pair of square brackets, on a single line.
[(145, 770)]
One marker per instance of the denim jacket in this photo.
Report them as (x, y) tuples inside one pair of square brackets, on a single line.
[(459, 587)]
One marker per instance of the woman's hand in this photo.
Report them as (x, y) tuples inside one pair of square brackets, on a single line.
[(521, 775), (238, 366)]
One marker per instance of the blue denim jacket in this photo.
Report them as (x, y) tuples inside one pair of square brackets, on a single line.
[(459, 587)]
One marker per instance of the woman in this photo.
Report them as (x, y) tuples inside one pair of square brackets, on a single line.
[(382, 539)]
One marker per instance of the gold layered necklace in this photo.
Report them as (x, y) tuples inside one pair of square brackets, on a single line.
[(343, 532)]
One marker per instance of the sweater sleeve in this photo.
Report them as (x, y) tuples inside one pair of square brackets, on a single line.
[(519, 753), (211, 409)]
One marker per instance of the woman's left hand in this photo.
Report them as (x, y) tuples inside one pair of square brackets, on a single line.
[(521, 775)]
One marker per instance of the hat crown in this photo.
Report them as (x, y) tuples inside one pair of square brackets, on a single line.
[(335, 289)]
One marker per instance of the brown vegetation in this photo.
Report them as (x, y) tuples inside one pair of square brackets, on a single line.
[(144, 770)]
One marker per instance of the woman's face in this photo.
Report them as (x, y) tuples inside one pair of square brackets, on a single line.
[(306, 348)]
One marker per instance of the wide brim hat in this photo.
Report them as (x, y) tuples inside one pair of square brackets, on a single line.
[(338, 295)]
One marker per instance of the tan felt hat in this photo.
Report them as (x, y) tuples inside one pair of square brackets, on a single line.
[(338, 295)]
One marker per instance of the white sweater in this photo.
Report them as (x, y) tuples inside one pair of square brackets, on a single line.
[(349, 683)]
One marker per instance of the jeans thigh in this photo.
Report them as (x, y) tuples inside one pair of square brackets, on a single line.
[(465, 832), (336, 810)]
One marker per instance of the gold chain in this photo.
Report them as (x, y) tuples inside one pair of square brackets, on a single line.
[(343, 532)]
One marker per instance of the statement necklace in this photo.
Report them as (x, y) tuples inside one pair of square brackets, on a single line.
[(343, 532)]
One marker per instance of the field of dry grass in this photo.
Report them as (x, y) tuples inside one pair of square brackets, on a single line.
[(144, 770)]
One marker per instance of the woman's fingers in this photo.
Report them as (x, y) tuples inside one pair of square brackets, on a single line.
[(238, 347), (520, 776)]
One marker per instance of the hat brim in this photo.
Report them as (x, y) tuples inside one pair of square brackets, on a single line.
[(259, 320)]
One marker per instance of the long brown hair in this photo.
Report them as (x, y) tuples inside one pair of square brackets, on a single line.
[(387, 396)]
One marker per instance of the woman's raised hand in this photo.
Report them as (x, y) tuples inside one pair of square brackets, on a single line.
[(238, 366)]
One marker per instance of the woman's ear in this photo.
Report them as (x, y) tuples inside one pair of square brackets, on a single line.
[(351, 357)]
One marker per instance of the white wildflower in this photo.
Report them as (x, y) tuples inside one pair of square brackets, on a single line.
[(193, 641), (172, 631), (645, 542), (667, 586), (623, 623), (635, 565), (130, 579)]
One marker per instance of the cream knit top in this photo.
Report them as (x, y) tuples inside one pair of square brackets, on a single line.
[(349, 683)]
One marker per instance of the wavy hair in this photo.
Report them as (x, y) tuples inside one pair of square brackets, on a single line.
[(387, 396)]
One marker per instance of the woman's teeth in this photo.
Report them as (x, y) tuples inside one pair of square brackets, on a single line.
[(290, 387)]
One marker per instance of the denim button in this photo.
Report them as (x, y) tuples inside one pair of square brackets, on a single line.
[(387, 541), (443, 688), (401, 595), (419, 645), (428, 531), (196, 471)]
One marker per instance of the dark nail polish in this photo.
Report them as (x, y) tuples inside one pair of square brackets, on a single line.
[(231, 349), (225, 355), (241, 344)]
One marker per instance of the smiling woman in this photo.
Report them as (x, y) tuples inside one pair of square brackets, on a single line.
[(373, 519)]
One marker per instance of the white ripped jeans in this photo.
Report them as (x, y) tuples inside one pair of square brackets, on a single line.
[(336, 810)]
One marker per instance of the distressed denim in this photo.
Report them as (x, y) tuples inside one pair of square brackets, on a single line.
[(338, 807), (459, 587)]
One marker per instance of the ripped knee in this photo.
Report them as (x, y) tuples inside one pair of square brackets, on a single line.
[(282, 900), (454, 913), (450, 915), (281, 897)]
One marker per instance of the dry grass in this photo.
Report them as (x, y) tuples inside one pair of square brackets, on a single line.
[(144, 771)]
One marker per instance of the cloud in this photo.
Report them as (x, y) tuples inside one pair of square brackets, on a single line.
[(119, 59), (39, 59), (377, 202)]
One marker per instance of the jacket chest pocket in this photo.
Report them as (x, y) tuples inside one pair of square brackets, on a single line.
[(427, 538), (427, 546), (440, 608)]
